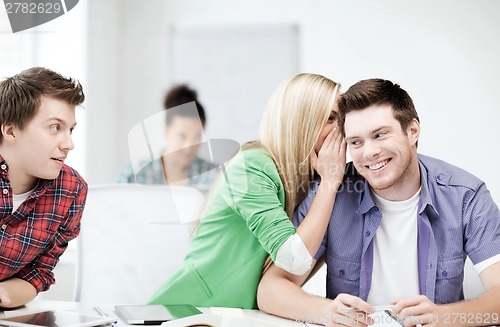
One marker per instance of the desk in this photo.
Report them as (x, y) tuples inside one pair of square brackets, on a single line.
[(109, 310)]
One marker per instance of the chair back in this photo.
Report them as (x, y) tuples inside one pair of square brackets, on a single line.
[(132, 238)]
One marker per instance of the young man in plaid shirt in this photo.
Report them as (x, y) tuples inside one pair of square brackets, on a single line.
[(41, 199)]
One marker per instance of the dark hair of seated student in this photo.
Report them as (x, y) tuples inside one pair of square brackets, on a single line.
[(179, 95)]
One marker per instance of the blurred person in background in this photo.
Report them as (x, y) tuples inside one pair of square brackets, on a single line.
[(179, 164)]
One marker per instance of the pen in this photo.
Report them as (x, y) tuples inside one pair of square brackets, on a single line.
[(375, 308), (102, 313), (396, 318)]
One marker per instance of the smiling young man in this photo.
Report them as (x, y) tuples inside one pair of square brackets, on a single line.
[(400, 230), (42, 199)]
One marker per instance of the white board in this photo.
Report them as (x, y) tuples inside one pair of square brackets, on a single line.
[(234, 68)]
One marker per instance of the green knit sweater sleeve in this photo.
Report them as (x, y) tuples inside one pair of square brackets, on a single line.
[(255, 192)]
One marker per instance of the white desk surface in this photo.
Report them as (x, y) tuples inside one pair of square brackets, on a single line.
[(109, 310)]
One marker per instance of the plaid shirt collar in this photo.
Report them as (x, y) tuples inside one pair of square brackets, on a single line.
[(41, 186)]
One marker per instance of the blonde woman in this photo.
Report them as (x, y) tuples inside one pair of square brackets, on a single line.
[(248, 214)]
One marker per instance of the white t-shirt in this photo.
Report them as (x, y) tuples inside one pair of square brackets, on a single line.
[(18, 199), (395, 253)]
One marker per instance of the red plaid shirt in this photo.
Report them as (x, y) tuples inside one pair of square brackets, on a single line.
[(34, 236)]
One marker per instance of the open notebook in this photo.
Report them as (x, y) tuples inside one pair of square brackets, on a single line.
[(214, 320), (381, 317)]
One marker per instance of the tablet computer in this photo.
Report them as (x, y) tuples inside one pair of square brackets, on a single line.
[(154, 314), (55, 319)]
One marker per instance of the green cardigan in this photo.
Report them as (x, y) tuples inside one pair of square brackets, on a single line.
[(243, 222)]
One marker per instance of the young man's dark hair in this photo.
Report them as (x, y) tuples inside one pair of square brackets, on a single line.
[(42, 198), (179, 95), (377, 91)]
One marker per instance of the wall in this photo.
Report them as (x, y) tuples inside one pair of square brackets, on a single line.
[(443, 53)]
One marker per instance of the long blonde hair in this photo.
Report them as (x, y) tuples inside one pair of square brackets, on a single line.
[(294, 118)]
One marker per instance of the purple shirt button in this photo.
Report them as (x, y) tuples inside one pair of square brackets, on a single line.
[(367, 233), (444, 273), (341, 272), (439, 177), (376, 209)]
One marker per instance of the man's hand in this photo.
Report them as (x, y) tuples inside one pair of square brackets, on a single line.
[(347, 310), (417, 310)]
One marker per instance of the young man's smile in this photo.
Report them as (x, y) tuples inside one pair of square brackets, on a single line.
[(377, 166)]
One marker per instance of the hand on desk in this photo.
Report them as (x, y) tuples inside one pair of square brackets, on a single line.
[(416, 310), (348, 310)]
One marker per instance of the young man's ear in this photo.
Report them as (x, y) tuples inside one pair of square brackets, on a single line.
[(413, 131), (8, 132)]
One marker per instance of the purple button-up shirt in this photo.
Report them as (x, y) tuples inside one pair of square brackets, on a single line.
[(456, 218)]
